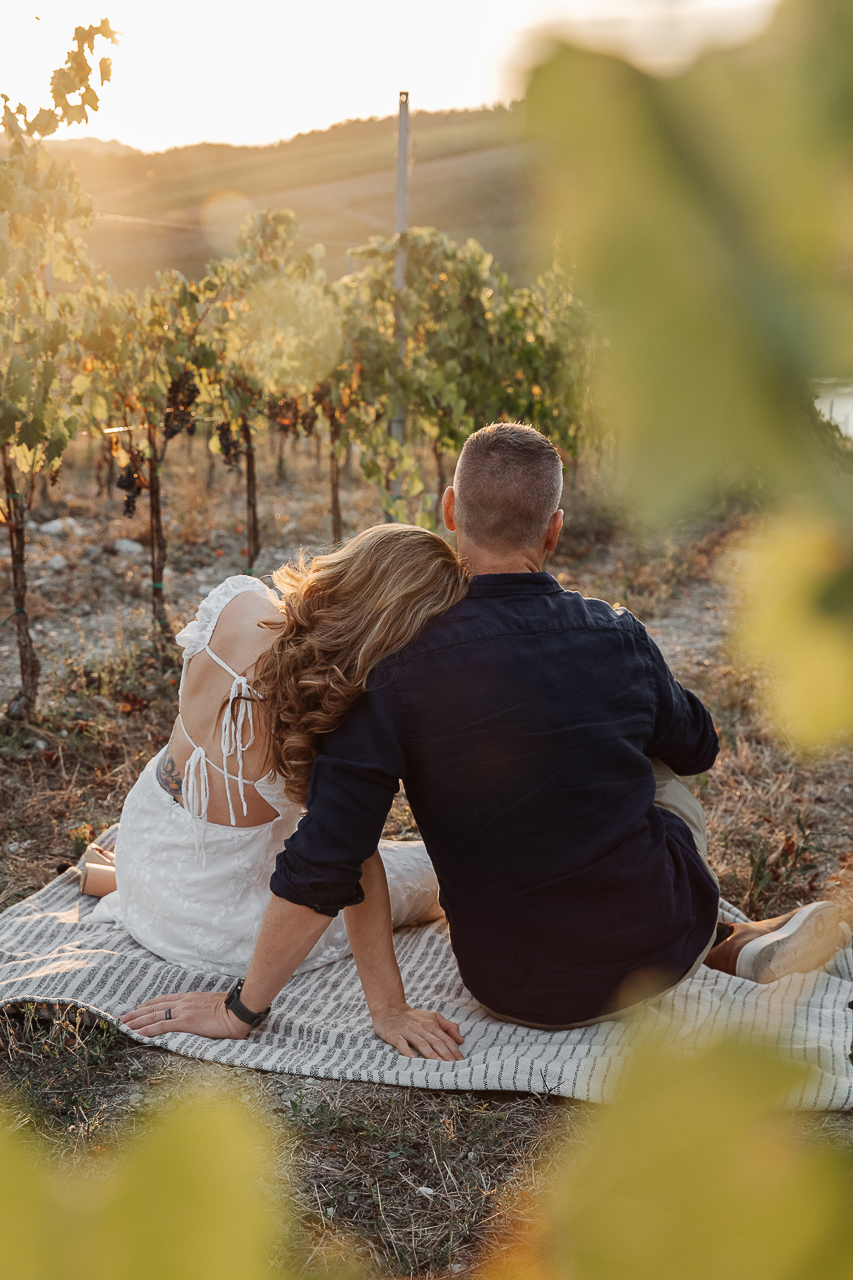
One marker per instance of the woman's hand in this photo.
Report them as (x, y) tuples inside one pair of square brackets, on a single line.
[(412, 1032), (287, 935), (416, 1033), (202, 1013)]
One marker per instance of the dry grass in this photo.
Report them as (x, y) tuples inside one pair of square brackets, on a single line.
[(72, 767), (69, 1075), (420, 1183), (779, 826)]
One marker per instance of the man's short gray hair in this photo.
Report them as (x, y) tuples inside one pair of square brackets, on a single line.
[(508, 484)]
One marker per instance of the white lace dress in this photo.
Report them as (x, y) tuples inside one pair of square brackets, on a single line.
[(195, 892)]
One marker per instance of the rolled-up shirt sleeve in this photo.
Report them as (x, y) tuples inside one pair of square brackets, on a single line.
[(353, 782), (684, 736)]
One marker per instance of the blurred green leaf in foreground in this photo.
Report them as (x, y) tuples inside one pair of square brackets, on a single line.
[(184, 1202), (708, 221), (798, 583), (692, 1174)]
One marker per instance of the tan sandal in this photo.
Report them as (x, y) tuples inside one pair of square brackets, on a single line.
[(97, 864), (97, 879)]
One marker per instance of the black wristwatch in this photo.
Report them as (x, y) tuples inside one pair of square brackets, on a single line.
[(235, 1004)]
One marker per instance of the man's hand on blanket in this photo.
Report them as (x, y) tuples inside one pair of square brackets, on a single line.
[(416, 1033), (202, 1013)]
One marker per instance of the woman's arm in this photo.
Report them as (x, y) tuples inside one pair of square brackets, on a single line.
[(287, 935), (370, 931)]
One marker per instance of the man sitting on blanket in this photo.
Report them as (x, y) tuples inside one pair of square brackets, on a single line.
[(540, 736)]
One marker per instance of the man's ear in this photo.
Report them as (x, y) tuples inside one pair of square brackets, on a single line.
[(448, 507), (555, 524)]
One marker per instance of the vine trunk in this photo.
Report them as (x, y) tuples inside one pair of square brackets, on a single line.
[(157, 536), (211, 470), (281, 461), (253, 530), (335, 478), (23, 703)]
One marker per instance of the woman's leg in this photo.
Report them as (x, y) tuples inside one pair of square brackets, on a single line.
[(412, 886)]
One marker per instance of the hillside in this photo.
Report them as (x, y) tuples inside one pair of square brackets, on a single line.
[(471, 175)]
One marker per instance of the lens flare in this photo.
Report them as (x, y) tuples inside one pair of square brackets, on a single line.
[(221, 218)]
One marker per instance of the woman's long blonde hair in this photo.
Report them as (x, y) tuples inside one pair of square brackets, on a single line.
[(341, 614)]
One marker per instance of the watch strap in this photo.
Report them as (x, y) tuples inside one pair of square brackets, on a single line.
[(236, 1006)]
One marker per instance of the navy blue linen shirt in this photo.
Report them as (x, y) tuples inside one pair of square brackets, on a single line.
[(522, 723)]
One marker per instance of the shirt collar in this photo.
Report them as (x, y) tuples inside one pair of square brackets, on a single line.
[(513, 584)]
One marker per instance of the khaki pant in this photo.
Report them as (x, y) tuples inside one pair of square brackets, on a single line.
[(670, 793)]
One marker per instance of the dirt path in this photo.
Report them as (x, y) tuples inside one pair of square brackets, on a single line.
[(694, 626)]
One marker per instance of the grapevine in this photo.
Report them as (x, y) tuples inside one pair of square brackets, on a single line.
[(40, 202)]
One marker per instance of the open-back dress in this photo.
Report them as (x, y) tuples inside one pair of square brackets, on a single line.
[(195, 892)]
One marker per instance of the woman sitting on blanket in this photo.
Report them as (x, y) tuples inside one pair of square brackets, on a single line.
[(263, 680)]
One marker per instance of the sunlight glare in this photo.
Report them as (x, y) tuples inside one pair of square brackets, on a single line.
[(264, 71)]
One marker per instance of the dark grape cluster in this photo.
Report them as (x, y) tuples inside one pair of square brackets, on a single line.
[(182, 395), (290, 416), (283, 413), (132, 481), (232, 450)]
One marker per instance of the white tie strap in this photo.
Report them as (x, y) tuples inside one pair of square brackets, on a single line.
[(197, 796), (232, 741)]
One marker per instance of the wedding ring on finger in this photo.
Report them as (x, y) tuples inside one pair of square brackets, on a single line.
[(168, 1015)]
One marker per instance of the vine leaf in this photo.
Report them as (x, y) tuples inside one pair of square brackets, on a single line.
[(32, 431)]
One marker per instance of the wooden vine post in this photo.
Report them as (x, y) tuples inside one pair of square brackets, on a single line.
[(323, 399), (157, 536), (21, 705), (335, 478), (252, 526)]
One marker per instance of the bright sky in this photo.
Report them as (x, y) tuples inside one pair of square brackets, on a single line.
[(256, 71)]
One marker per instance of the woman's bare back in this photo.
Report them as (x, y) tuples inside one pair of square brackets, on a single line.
[(239, 642)]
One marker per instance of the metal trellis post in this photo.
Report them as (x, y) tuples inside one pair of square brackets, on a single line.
[(401, 225)]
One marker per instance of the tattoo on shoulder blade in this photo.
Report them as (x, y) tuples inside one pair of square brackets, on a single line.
[(169, 776)]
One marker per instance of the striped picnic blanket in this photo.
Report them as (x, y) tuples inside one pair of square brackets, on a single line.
[(320, 1026)]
